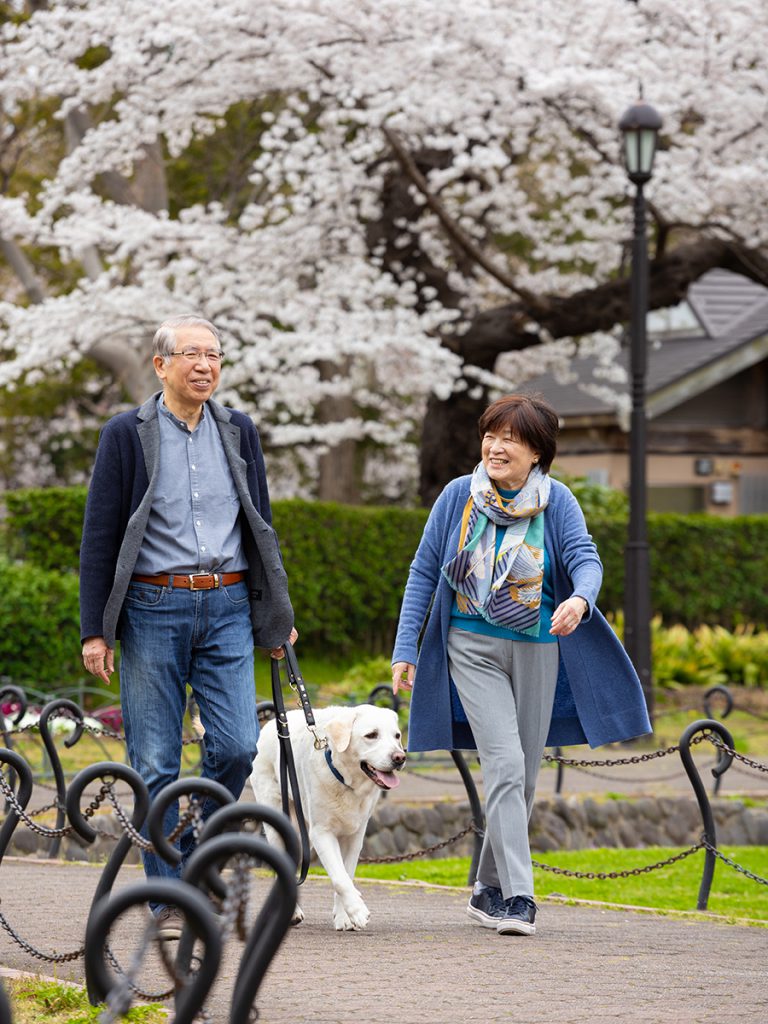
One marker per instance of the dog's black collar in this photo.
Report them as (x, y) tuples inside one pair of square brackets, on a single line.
[(334, 770)]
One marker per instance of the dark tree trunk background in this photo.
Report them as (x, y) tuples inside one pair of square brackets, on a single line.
[(450, 443)]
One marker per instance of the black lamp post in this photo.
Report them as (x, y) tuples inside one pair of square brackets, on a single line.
[(640, 127)]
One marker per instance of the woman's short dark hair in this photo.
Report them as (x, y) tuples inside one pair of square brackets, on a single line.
[(527, 418)]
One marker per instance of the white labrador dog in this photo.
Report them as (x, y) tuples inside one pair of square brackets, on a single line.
[(339, 788)]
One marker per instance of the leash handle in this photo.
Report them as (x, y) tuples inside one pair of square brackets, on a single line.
[(289, 783), (296, 682)]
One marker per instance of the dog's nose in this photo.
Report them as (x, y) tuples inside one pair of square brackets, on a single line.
[(398, 759)]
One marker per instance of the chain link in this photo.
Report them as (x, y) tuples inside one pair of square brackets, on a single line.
[(150, 932), (717, 742), (94, 730), (51, 958), (754, 714), (629, 873), (472, 827), (41, 830), (136, 838), (635, 759), (235, 904), (55, 805), (733, 864), (624, 778), (438, 778)]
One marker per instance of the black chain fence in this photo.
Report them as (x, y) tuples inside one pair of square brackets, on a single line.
[(233, 906)]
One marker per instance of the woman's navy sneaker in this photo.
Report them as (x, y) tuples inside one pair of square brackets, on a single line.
[(486, 907), (519, 914)]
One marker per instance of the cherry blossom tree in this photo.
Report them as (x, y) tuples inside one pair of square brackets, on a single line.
[(400, 206)]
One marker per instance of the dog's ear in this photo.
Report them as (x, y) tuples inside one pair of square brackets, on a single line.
[(340, 732)]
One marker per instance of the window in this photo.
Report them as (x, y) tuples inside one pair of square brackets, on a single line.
[(680, 320)]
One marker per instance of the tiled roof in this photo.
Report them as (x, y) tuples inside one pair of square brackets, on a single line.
[(732, 308), (720, 299)]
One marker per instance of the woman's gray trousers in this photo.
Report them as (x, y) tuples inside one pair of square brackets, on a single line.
[(507, 688)]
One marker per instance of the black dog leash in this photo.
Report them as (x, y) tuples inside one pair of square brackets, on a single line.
[(287, 764)]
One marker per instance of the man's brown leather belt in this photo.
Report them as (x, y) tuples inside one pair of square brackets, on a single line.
[(193, 580)]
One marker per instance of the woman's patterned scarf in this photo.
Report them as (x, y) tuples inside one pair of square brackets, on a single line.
[(505, 589)]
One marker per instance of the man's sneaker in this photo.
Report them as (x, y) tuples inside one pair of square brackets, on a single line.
[(486, 907), (519, 914), (170, 924)]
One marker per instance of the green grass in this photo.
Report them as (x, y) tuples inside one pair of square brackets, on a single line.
[(38, 1001), (733, 895), (318, 672)]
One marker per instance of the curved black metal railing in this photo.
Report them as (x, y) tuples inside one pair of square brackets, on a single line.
[(221, 835)]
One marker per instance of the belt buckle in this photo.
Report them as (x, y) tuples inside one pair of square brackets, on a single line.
[(214, 575)]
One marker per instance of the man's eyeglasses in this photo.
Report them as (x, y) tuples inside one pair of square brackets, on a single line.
[(193, 355)]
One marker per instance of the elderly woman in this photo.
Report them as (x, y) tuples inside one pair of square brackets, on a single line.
[(515, 655)]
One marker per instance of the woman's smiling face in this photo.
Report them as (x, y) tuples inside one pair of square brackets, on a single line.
[(507, 461)]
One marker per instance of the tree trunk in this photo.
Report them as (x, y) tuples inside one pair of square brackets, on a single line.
[(450, 443), (338, 476)]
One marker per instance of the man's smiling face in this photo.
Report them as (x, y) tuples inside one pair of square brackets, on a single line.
[(189, 382)]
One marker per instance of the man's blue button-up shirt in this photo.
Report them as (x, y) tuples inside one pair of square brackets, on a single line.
[(193, 525)]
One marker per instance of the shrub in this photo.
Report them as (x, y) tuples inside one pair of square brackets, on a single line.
[(44, 526), (39, 626), (706, 656), (741, 657)]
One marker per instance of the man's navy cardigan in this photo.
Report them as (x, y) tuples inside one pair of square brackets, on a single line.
[(120, 497)]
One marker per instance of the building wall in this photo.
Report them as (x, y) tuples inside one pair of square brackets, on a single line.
[(708, 454), (683, 483)]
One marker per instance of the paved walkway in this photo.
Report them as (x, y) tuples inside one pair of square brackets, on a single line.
[(421, 961)]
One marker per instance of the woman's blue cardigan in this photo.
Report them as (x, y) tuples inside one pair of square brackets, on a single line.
[(599, 698)]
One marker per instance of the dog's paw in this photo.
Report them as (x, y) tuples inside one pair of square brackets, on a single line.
[(351, 919), (298, 916)]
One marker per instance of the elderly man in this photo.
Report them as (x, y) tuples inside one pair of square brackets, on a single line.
[(179, 561)]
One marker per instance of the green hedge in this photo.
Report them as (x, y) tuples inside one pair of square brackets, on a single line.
[(347, 566), (39, 628), (705, 570), (43, 526)]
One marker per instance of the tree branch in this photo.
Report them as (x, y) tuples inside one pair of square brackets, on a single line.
[(508, 327), (23, 269), (452, 229)]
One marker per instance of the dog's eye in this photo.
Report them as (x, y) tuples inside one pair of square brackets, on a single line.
[(398, 735), (372, 735)]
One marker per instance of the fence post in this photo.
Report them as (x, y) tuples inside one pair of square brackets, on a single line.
[(560, 771), (724, 692), (723, 763), (59, 704)]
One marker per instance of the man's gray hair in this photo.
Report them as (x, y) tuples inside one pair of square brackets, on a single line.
[(164, 341)]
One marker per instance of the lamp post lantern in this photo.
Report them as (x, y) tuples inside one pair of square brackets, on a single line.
[(639, 126)]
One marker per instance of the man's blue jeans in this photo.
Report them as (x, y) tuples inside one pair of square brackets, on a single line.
[(171, 637)]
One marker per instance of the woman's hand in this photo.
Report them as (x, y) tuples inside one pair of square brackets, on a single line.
[(402, 676), (568, 615)]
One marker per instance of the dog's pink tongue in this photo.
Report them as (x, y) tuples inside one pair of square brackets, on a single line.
[(388, 779)]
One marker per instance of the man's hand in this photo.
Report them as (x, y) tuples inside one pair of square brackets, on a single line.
[(277, 652), (98, 659)]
